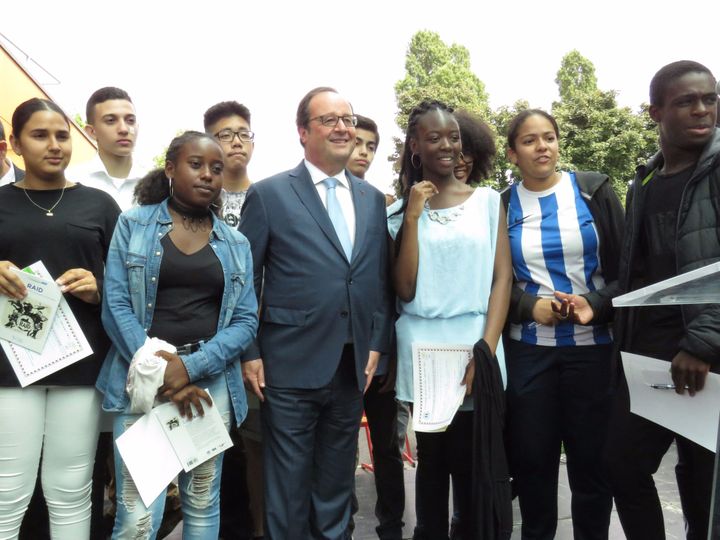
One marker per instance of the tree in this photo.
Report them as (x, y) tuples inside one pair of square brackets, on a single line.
[(501, 122), (575, 76), (435, 70), (595, 133)]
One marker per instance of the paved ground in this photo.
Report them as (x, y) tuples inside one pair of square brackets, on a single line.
[(365, 520)]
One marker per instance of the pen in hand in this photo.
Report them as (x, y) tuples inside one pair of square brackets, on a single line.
[(663, 386)]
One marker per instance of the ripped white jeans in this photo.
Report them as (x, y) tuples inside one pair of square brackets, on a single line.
[(199, 488), (62, 423)]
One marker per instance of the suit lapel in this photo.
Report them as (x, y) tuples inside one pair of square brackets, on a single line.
[(360, 201), (307, 193)]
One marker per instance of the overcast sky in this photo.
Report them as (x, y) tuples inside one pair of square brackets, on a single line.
[(178, 58)]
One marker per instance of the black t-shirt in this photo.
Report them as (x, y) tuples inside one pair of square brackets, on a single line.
[(77, 235), (190, 289), (659, 329)]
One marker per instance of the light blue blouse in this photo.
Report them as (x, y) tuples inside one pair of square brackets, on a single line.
[(455, 268)]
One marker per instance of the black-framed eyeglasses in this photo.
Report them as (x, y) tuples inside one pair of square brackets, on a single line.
[(331, 120), (228, 135)]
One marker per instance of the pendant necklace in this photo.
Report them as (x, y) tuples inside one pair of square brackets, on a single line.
[(444, 216), (48, 211)]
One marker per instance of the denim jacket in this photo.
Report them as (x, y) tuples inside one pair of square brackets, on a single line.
[(130, 288)]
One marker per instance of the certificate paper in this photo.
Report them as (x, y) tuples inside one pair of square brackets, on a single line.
[(65, 345), (162, 443), (438, 371), (27, 322)]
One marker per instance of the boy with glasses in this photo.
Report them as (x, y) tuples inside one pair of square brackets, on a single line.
[(229, 123)]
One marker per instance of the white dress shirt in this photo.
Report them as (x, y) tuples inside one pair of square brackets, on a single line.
[(8, 177), (342, 191), (94, 174)]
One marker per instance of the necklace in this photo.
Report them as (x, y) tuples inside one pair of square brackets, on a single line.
[(193, 220), (48, 211), (443, 216)]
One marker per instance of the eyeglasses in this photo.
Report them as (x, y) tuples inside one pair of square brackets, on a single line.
[(331, 120), (228, 135)]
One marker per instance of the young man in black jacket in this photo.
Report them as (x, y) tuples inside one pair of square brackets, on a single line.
[(673, 215)]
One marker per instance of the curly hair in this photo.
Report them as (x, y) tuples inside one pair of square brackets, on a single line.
[(478, 142), (154, 187)]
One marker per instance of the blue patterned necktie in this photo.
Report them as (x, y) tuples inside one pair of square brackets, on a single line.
[(337, 217)]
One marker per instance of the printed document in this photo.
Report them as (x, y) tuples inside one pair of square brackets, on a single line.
[(27, 322), (438, 371), (652, 396), (65, 343), (162, 443)]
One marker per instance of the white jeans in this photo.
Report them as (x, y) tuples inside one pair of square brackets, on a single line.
[(63, 423)]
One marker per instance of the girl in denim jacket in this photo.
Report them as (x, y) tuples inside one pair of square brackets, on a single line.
[(177, 272)]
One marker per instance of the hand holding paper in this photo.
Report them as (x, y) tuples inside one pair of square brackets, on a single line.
[(688, 373), (10, 284)]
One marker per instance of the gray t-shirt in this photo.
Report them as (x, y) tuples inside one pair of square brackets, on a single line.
[(232, 205)]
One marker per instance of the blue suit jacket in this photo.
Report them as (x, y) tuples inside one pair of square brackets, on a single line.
[(306, 287)]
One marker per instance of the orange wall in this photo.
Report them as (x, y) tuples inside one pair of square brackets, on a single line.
[(18, 86)]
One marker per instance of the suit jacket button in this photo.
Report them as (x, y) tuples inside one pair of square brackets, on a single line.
[(344, 314)]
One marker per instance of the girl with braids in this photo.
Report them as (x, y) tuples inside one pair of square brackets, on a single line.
[(68, 227), (441, 227), (177, 272)]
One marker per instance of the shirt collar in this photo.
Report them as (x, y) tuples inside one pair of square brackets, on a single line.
[(8, 177), (318, 176), (96, 166)]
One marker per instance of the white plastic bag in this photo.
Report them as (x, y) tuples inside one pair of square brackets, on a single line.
[(146, 375)]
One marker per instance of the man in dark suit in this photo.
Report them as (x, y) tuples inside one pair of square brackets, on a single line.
[(318, 238), (9, 172)]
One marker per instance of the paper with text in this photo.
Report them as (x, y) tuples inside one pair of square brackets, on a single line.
[(652, 396), (162, 443), (194, 440), (438, 371), (27, 322), (65, 344)]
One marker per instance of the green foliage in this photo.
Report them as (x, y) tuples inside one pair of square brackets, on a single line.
[(575, 76), (501, 122), (79, 120), (596, 134), (435, 70)]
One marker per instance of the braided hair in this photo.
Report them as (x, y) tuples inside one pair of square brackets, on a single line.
[(409, 174), (154, 187)]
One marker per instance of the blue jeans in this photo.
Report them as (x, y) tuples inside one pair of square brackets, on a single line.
[(199, 488)]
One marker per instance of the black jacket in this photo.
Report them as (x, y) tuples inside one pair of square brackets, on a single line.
[(697, 244), (607, 213)]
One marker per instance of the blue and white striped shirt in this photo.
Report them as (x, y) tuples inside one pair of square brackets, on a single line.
[(554, 247)]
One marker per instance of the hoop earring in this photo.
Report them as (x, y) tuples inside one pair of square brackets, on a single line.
[(412, 161), (170, 188), (461, 157)]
